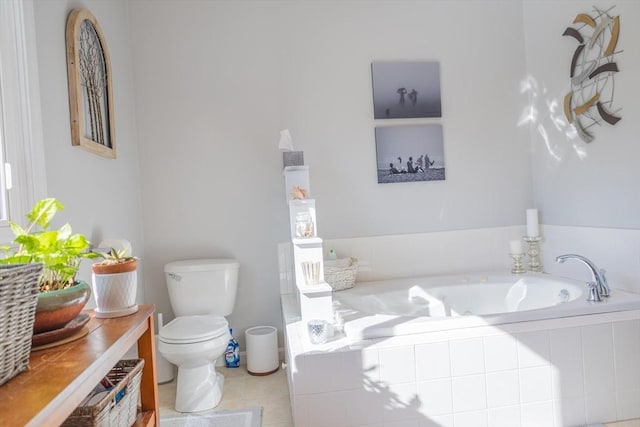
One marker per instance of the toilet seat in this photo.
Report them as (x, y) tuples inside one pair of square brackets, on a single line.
[(193, 329)]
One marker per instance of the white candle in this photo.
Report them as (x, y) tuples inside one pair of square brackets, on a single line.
[(515, 247), (532, 223)]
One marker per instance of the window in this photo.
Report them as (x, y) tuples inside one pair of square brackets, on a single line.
[(21, 153)]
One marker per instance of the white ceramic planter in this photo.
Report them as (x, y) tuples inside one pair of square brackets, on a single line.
[(115, 294)]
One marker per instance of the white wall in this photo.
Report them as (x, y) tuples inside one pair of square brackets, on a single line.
[(216, 81), (575, 183), (101, 196)]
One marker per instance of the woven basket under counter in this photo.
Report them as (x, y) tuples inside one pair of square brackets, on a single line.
[(109, 411), (340, 274), (19, 288)]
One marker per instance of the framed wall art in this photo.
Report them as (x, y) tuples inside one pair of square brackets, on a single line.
[(90, 87), (406, 89), (410, 153)]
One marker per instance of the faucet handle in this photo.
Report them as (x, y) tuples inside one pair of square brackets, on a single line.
[(605, 285), (594, 295)]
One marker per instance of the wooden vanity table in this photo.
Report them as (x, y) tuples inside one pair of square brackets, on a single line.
[(60, 377)]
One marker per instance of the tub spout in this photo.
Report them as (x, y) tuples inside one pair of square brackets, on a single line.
[(599, 278)]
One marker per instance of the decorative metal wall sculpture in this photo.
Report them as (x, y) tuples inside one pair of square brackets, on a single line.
[(593, 67)]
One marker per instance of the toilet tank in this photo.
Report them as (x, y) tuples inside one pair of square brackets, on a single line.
[(202, 286)]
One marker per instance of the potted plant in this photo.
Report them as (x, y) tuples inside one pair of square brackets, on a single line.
[(115, 283), (60, 252)]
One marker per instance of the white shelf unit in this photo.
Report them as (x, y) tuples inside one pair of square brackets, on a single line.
[(316, 301)]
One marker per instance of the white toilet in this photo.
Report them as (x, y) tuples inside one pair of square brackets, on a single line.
[(202, 292)]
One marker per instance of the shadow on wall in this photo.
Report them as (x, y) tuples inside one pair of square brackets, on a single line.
[(552, 108), (368, 401)]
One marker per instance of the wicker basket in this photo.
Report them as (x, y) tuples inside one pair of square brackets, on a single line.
[(340, 274), (119, 407), (18, 298)]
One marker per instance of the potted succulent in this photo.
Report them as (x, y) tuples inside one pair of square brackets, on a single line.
[(60, 252), (115, 283)]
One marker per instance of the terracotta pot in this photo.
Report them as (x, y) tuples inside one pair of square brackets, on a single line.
[(124, 267), (57, 308)]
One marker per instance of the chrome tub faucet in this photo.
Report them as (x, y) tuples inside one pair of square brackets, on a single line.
[(598, 287)]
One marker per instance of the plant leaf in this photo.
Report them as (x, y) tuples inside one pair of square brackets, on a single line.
[(43, 211)]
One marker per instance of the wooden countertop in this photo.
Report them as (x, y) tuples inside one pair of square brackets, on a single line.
[(60, 377)]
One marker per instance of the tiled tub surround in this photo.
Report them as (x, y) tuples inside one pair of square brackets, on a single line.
[(559, 372)]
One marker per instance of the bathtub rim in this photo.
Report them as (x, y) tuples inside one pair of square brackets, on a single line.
[(379, 326)]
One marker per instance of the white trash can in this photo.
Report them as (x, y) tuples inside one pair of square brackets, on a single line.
[(262, 350)]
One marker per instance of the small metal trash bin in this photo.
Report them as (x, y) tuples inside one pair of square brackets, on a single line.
[(262, 350)]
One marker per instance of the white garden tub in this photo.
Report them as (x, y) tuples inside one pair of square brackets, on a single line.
[(427, 304)]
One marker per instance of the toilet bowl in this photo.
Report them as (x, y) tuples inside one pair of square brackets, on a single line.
[(193, 343), (201, 293)]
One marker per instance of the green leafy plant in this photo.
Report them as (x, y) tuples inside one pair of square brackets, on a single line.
[(60, 251)]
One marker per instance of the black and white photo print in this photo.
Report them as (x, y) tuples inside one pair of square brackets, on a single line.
[(410, 153), (406, 89)]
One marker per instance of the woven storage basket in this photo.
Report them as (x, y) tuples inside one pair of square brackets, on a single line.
[(119, 407), (18, 298), (340, 274)]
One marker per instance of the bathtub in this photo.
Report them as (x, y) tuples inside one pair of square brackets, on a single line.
[(428, 304)]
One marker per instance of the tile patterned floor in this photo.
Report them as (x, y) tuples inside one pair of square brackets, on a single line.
[(242, 390)]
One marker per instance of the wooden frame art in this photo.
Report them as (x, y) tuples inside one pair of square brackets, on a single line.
[(90, 87)]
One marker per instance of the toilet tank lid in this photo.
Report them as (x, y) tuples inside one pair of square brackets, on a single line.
[(210, 264)]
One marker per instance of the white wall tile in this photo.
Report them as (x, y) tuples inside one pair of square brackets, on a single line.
[(471, 419), (311, 377), (628, 403), (600, 408), (626, 339), (432, 361), (403, 423), (469, 393), (506, 416), (566, 358), (467, 357), (500, 353), (436, 397), (397, 365), (370, 364), (503, 388), (400, 402), (533, 349), (597, 348), (569, 412), (299, 410), (535, 384), (364, 406), (323, 409), (440, 421), (537, 414)]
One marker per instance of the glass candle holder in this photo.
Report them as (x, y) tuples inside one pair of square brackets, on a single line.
[(318, 331), (517, 263), (304, 225)]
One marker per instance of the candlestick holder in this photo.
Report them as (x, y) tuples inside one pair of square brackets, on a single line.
[(534, 253), (517, 264)]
